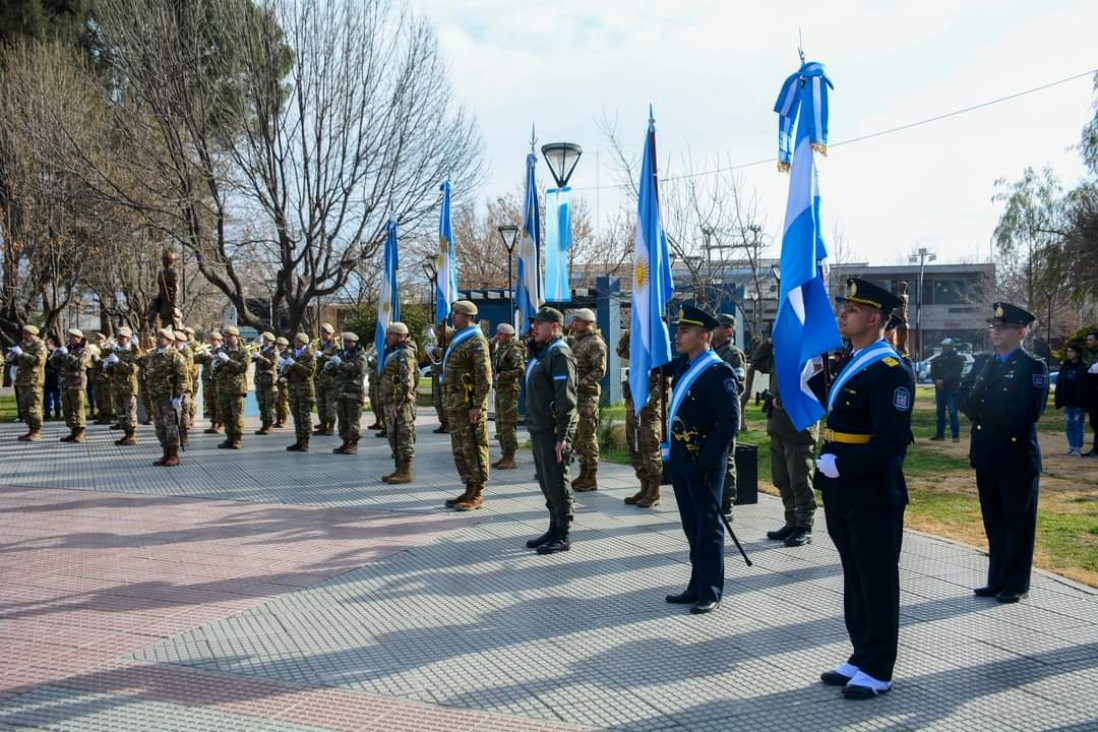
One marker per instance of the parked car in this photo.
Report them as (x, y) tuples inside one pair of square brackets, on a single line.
[(922, 369)]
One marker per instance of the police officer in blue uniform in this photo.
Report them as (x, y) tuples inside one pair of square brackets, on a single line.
[(1004, 404), (860, 472), (704, 414)]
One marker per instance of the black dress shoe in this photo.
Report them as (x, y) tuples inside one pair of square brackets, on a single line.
[(535, 543), (781, 534), (554, 545), (701, 608), (861, 693), (683, 598), (1011, 597), (799, 537), (986, 591), (834, 678)]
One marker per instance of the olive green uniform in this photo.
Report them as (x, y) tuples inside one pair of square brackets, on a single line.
[(642, 433), (101, 384), (349, 373), (397, 393), (123, 373), (551, 417), (209, 389), (589, 350), (232, 388), (327, 386), (266, 390), (297, 369), (166, 378), (466, 381), (30, 377), (72, 371), (508, 367)]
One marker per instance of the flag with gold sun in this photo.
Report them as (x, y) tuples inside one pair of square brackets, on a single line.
[(388, 301), (649, 344)]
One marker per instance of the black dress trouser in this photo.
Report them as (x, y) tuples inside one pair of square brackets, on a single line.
[(698, 494), (1008, 502)]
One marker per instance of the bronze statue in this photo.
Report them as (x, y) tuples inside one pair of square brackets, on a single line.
[(165, 310)]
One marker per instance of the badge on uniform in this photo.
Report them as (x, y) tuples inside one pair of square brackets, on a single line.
[(901, 399), (1039, 381), (730, 386)]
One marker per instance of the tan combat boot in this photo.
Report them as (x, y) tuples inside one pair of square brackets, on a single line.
[(31, 436), (130, 438), (163, 457), (213, 429), (264, 430), (385, 478), (303, 446), (78, 434), (474, 501), (651, 494), (322, 428), (296, 447), (633, 499), (507, 462), (587, 476), (402, 475), (236, 444), (580, 480), (342, 449), (352, 448), (173, 457), (466, 495)]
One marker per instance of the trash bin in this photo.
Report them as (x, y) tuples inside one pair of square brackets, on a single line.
[(747, 474)]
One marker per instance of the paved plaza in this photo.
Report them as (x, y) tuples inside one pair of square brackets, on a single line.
[(266, 590)]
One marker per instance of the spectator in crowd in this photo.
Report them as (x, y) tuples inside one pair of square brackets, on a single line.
[(1090, 388), (52, 396), (1071, 397), (945, 372)]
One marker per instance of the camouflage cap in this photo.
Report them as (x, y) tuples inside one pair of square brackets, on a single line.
[(214, 335), (464, 307), (282, 341), (124, 332), (301, 338), (349, 336), (166, 333), (231, 330), (180, 336), (267, 335), (584, 314), (726, 320), (397, 327), (327, 328), (31, 329), (505, 329), (75, 332)]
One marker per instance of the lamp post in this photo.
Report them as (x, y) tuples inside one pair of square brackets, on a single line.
[(562, 158), (432, 277), (922, 257), (509, 234)]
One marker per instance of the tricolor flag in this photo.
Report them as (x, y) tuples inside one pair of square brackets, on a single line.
[(388, 301), (529, 287), (649, 344), (445, 261), (805, 328)]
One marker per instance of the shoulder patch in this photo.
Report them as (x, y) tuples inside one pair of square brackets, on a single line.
[(901, 399), (730, 386), (1039, 380), (890, 362)]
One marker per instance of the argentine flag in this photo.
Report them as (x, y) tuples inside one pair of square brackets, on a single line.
[(649, 344), (805, 327), (388, 301), (529, 275), (445, 261)]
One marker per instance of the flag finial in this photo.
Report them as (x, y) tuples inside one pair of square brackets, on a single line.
[(533, 137)]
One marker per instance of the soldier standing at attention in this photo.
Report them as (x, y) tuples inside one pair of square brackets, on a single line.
[(187, 398), (704, 415), (209, 385), (282, 409), (508, 367), (444, 334), (166, 377), (102, 382), (265, 375), (297, 368), (590, 352), (350, 371), (71, 362), (192, 351), (232, 388), (397, 391), (642, 433), (724, 346), (860, 471), (121, 365), (551, 418), (327, 385), (29, 357), (466, 381), (1006, 401)]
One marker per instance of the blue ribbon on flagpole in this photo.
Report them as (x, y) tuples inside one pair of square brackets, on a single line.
[(815, 101)]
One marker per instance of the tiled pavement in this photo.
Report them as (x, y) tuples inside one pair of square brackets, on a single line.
[(269, 591)]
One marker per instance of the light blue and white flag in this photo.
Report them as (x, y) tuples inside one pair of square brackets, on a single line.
[(805, 327), (445, 261), (388, 301), (649, 344), (529, 295), (558, 238)]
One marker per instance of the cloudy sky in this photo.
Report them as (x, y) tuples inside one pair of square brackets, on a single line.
[(712, 70)]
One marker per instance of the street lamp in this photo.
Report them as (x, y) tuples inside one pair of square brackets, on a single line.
[(920, 258), (432, 277), (509, 234), (561, 158)]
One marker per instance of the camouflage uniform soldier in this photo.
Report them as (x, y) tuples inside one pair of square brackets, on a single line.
[(29, 357), (190, 371), (327, 384), (192, 403), (166, 378), (376, 407), (209, 387), (121, 366), (282, 408), (142, 389), (589, 349), (349, 367), (466, 381), (726, 349), (642, 433), (397, 391), (101, 382), (297, 368), (508, 368), (444, 334), (266, 392), (232, 388), (72, 361)]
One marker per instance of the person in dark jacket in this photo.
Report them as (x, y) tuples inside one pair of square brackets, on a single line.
[(1090, 388), (1071, 397), (1004, 405), (52, 392), (945, 372)]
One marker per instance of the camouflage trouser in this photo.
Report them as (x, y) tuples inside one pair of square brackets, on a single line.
[(507, 399), (104, 401), (301, 407), (186, 413), (145, 401), (349, 411), (30, 402), (192, 409), (791, 470), (728, 493), (586, 444), (230, 408), (436, 399), (165, 421), (470, 445), (643, 436), (209, 400), (327, 402), (125, 408), (266, 395), (401, 431), (72, 403), (282, 409), (376, 407)]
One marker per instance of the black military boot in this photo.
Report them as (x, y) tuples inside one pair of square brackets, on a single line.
[(559, 541), (799, 537), (544, 538), (781, 534)]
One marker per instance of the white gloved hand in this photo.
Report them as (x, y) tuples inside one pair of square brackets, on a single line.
[(223, 356), (1093, 368), (63, 351), (176, 402), (826, 464), (112, 358), (335, 360), (17, 350), (287, 362), (318, 354)]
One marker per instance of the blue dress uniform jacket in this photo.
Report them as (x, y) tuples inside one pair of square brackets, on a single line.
[(1004, 404), (705, 425), (865, 505)]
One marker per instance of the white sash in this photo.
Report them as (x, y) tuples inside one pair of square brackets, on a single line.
[(681, 388), (868, 356), (535, 361), (462, 335)]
